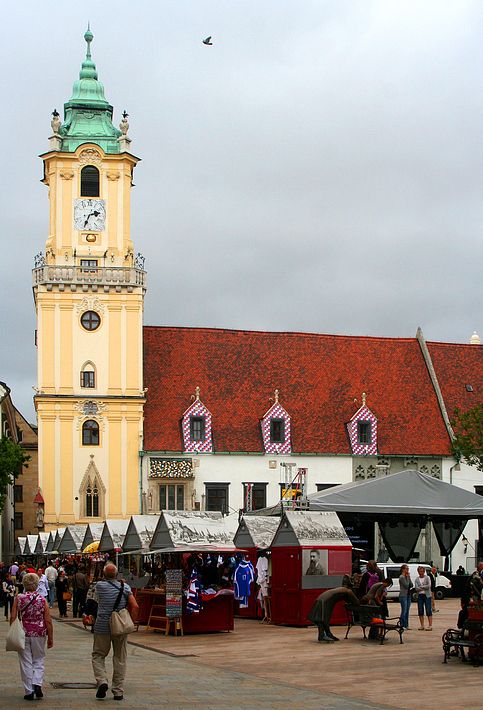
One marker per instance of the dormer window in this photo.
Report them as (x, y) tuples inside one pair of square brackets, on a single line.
[(275, 427), (277, 431), (364, 431), (197, 428), (89, 181)]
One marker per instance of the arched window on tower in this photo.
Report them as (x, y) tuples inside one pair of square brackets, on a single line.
[(90, 433), (89, 181), (88, 375)]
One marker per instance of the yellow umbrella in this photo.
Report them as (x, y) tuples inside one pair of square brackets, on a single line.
[(93, 547)]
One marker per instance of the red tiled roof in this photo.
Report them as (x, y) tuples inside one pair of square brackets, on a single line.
[(319, 377), (456, 366)]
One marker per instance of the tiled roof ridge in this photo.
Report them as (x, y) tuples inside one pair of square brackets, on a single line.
[(294, 333)]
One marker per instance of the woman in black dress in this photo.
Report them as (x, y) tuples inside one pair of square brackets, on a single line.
[(62, 586)]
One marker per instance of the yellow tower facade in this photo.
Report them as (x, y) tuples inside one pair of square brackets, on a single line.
[(89, 291)]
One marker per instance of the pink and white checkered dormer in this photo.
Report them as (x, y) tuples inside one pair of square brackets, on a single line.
[(196, 427), (362, 430), (276, 430)]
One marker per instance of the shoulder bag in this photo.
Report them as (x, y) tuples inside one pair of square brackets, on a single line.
[(15, 640), (120, 622)]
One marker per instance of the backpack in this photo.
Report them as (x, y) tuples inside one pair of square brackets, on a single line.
[(373, 579)]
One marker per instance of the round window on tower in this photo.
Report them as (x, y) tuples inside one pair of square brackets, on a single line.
[(90, 320)]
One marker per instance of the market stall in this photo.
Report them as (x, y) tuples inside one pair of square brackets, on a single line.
[(41, 546), (72, 539), (189, 551), (254, 535), (93, 534), (310, 554)]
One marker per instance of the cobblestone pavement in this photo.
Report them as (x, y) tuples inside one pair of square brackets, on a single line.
[(160, 679)]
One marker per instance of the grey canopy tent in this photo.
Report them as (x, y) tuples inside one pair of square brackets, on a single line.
[(402, 504)]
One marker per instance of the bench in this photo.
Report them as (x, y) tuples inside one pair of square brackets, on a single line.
[(363, 616), (454, 638)]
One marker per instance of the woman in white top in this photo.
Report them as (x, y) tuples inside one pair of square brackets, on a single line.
[(422, 585)]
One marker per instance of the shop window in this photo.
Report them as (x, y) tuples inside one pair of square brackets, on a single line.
[(364, 432), (18, 521), (197, 428), (18, 494), (254, 496), (217, 497), (89, 181), (277, 431), (171, 497), (90, 433)]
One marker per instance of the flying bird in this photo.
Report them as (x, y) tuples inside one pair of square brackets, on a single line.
[(207, 41)]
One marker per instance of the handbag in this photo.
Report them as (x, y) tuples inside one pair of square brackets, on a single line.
[(120, 622), (66, 596), (15, 640)]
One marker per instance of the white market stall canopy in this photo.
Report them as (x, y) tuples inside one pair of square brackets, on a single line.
[(59, 534), (20, 546), (309, 529), (139, 533), (31, 544), (92, 534), (112, 535), (193, 530), (72, 539), (256, 531), (41, 547), (50, 543)]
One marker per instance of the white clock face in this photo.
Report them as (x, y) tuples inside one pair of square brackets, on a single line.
[(90, 213)]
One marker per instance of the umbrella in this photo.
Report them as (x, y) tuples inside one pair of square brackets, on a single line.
[(93, 547)]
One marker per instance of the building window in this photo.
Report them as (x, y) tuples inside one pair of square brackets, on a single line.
[(92, 501), (18, 494), (89, 181), (254, 496), (171, 497), (88, 379), (217, 497), (90, 320), (90, 433), (88, 262), (18, 521), (197, 428), (364, 432), (325, 486), (277, 431)]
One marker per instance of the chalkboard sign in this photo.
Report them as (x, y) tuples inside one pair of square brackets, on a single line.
[(174, 593)]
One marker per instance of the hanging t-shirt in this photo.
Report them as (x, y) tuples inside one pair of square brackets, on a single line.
[(244, 576), (194, 593)]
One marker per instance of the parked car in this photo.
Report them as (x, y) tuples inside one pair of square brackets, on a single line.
[(392, 570)]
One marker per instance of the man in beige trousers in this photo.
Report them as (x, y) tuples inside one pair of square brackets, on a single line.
[(107, 593)]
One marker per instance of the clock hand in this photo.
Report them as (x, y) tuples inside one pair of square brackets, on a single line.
[(88, 218)]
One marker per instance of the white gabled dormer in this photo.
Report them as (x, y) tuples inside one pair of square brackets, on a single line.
[(275, 427), (196, 427), (362, 430)]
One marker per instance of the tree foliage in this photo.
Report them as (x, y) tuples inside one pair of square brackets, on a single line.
[(468, 443), (12, 458)]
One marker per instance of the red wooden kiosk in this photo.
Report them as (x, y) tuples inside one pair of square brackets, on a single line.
[(310, 554), (255, 532)]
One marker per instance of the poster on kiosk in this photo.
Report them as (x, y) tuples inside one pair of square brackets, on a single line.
[(311, 552)]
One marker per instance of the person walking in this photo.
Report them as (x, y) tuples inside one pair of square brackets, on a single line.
[(51, 574), (8, 588), (35, 616), (107, 594), (80, 586), (62, 587), (432, 574), (422, 585), (405, 586), (43, 587)]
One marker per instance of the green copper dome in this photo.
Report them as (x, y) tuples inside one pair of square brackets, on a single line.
[(88, 116)]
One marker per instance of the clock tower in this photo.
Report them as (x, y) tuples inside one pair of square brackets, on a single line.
[(89, 289)]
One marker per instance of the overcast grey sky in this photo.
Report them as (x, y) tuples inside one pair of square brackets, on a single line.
[(319, 168)]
